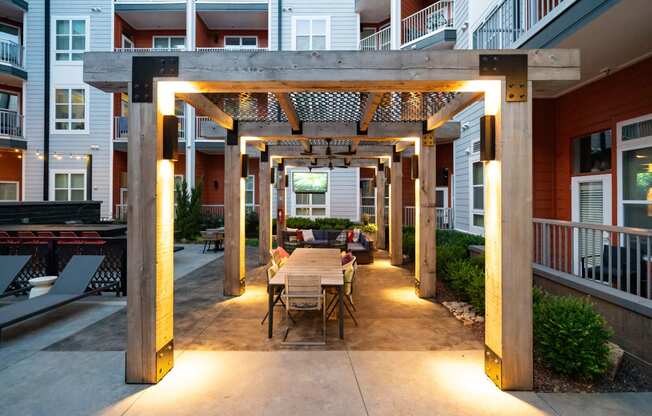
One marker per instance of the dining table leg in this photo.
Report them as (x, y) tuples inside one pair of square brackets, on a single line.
[(340, 291), (270, 310)]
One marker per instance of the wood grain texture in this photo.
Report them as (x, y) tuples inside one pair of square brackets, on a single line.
[(457, 104), (396, 214), (381, 240), (208, 108), (508, 236), (426, 220), (373, 101), (234, 270), (288, 108), (264, 213)]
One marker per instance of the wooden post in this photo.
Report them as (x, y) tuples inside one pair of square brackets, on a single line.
[(234, 216), (265, 211), (426, 217), (150, 266), (396, 213), (508, 244), (380, 209), (280, 208)]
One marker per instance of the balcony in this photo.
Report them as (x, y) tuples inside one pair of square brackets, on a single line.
[(121, 128), (11, 59), (512, 22), (145, 50), (11, 130), (429, 28)]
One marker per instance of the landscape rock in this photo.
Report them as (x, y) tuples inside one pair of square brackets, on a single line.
[(615, 360)]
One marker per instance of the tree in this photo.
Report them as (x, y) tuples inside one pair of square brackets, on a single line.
[(188, 211)]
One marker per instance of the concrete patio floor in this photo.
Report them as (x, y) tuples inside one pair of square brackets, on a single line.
[(407, 356)]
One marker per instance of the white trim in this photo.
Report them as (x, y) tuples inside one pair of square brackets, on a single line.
[(290, 192), (474, 158), (624, 146), (575, 207), (241, 46), (443, 189), (253, 192), (293, 38), (124, 38), (53, 39), (18, 94), (53, 109), (54, 172), (17, 183), (169, 38)]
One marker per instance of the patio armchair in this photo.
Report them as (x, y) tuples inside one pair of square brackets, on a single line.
[(271, 271), (350, 271), (304, 293), (598, 269)]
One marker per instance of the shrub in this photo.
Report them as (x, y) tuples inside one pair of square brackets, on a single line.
[(251, 224), (452, 237), (300, 223), (319, 223), (570, 337), (409, 242), (188, 211), (447, 254), (369, 228), (211, 221)]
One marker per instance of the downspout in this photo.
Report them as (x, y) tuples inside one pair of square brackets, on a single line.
[(279, 33), (46, 109)]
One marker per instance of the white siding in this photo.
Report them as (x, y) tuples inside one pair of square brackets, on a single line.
[(470, 121), (464, 37), (344, 194)]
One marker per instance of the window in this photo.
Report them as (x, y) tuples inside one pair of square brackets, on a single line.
[(635, 173), (310, 33), (180, 112), (250, 186), (310, 205), (8, 191), (240, 42), (70, 42), (477, 195), (127, 43), (592, 153), (169, 42), (69, 186), (368, 199), (70, 109)]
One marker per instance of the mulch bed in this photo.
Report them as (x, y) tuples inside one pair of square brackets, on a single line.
[(632, 376)]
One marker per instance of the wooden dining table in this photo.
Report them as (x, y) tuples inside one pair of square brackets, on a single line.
[(325, 262)]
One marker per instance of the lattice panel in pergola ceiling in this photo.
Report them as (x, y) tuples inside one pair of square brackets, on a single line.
[(332, 106)]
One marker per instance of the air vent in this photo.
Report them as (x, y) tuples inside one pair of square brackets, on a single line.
[(637, 130), (476, 147)]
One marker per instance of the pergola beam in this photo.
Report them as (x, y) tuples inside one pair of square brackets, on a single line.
[(209, 108), (457, 104), (373, 101), (285, 102)]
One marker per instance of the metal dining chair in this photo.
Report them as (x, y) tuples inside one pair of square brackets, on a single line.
[(304, 293)]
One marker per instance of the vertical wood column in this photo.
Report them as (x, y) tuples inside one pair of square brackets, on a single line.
[(508, 235), (396, 213), (265, 210), (150, 266), (426, 217), (280, 207), (380, 209), (234, 218)]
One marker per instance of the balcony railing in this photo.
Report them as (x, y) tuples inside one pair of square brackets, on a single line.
[(444, 217), (204, 125), (11, 53), (232, 49), (426, 21), (618, 257), (514, 21), (11, 124), (121, 127), (379, 41), (143, 50)]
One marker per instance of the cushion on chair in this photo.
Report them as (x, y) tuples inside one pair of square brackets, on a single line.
[(284, 254), (356, 247), (308, 235), (347, 258)]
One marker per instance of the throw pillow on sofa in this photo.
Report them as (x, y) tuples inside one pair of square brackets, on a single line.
[(308, 235), (299, 235), (356, 235)]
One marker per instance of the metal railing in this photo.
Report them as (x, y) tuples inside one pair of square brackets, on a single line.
[(379, 41), (618, 257), (203, 125), (513, 21), (216, 210), (232, 49), (433, 18), (121, 127), (141, 50), (444, 217), (11, 53), (11, 123)]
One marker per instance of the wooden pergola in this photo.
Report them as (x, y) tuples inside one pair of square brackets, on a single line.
[(295, 136)]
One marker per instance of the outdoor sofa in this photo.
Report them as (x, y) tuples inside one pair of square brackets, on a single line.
[(361, 249)]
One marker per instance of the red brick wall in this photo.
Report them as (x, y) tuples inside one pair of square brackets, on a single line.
[(11, 168), (207, 38), (597, 106), (119, 167), (208, 169)]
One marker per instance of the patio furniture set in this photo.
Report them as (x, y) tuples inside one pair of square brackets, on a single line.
[(302, 281), (212, 237), (352, 241)]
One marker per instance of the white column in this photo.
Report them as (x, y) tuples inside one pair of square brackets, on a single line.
[(190, 145), (191, 31), (395, 24)]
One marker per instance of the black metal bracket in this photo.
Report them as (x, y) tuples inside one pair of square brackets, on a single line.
[(359, 131), (298, 132), (513, 68), (143, 71), (264, 154), (396, 156), (424, 127), (232, 138)]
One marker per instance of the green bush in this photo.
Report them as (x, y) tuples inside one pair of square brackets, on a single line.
[(251, 224), (300, 223), (570, 337), (409, 242), (211, 221), (369, 228), (188, 211), (319, 223), (447, 254), (452, 237)]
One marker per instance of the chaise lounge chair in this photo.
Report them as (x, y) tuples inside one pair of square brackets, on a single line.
[(10, 267), (69, 287)]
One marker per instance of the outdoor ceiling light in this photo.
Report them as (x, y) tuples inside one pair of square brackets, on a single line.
[(245, 166), (487, 138), (170, 137), (414, 167)]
